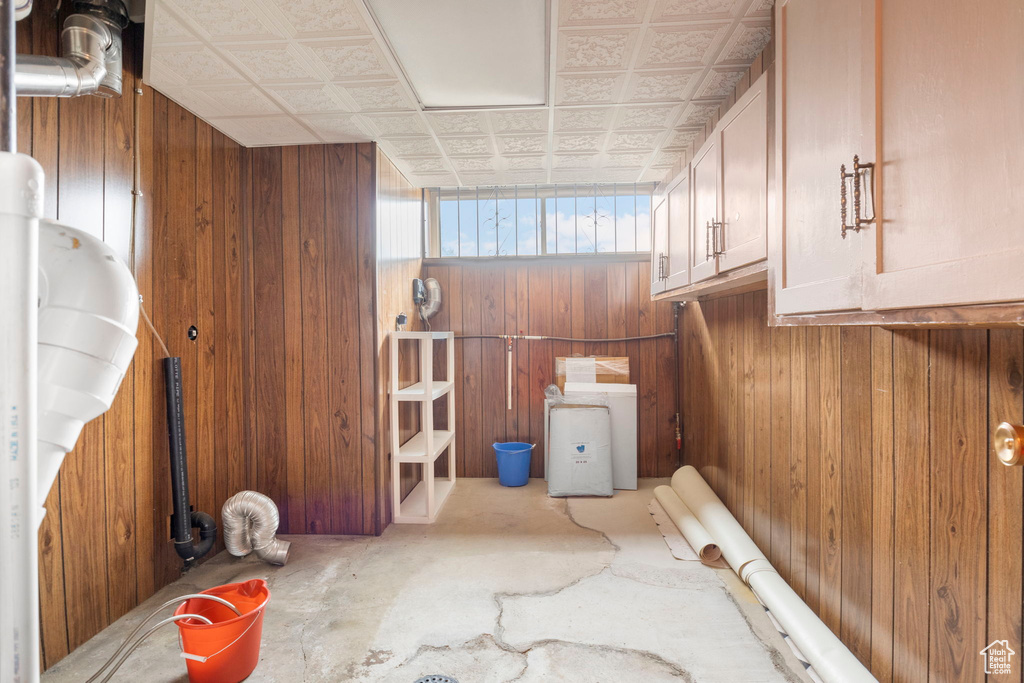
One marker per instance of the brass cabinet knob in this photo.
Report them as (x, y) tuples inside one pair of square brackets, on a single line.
[(1008, 442)]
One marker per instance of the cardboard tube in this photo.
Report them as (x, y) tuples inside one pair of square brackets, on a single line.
[(832, 660), (694, 533)]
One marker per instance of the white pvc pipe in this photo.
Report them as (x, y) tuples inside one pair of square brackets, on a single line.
[(693, 531), (832, 660), (508, 378), (21, 200)]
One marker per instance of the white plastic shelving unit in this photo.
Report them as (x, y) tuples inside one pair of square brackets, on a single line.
[(424, 502)]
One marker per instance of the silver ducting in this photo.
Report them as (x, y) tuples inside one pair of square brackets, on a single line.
[(432, 303), (250, 522)]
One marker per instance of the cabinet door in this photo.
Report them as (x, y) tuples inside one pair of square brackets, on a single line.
[(659, 245), (679, 234), (704, 174), (951, 131), (743, 138), (820, 124)]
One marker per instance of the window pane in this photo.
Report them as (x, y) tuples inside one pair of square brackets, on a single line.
[(449, 214), (467, 223), (528, 221), (604, 214), (506, 206), (565, 238), (625, 222), (551, 219), (586, 221), (488, 220), (643, 222)]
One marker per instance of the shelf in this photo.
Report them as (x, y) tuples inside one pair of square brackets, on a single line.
[(413, 510), (415, 449), (416, 392)]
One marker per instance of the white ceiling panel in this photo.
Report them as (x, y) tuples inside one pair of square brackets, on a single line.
[(619, 88)]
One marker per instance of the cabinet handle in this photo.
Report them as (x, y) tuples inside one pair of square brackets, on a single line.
[(707, 241), (719, 229), (663, 266), (859, 170)]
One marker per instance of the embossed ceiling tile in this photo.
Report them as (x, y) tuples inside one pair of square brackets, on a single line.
[(337, 128), (468, 146), (309, 99), (313, 18), (655, 175), (458, 124), (433, 180), (195, 65), (667, 159), (688, 10), (473, 163), (579, 142), (244, 99), (524, 121), (398, 124), (575, 160), (351, 60), (528, 163), (412, 147), (720, 83), (480, 179), (582, 119), (595, 50), (378, 96), (746, 43), (426, 165), (572, 176), (527, 177), (657, 117), (273, 63), (679, 46), (167, 29), (595, 12), (697, 114), (589, 89), (193, 100), (661, 86), (761, 8), (523, 144), (681, 139), (269, 130), (631, 141), (628, 160), (225, 20)]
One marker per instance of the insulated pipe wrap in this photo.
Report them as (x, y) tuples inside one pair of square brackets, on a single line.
[(250, 521)]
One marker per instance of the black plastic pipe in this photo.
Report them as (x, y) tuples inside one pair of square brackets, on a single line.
[(184, 518)]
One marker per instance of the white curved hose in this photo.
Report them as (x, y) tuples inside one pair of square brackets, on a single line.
[(250, 521)]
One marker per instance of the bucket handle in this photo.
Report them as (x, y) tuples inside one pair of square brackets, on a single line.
[(200, 658)]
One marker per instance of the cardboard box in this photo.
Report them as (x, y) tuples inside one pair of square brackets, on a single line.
[(590, 369)]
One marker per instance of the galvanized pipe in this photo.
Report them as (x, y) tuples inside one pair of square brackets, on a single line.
[(81, 71), (8, 99)]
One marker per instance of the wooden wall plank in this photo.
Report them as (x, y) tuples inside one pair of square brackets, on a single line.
[(883, 550)]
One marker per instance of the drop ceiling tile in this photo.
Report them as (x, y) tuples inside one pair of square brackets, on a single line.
[(679, 46), (596, 12), (595, 49), (575, 160), (657, 117), (747, 43), (167, 30), (458, 124), (269, 130), (378, 96), (681, 139), (688, 10), (579, 142), (526, 163), (569, 175), (433, 180), (309, 99), (412, 147), (567, 119), (666, 159), (589, 89), (719, 83), (634, 141), (426, 165), (697, 114), (225, 20), (523, 144), (337, 127), (655, 175), (527, 177), (628, 159), (315, 18), (661, 86), (761, 8), (280, 63), (195, 101), (473, 164), (468, 146), (195, 65), (352, 60), (398, 124), (520, 121), (243, 99)]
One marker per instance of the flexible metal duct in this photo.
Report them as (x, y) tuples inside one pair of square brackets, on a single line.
[(250, 522), (432, 304)]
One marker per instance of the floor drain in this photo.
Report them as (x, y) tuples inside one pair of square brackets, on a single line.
[(436, 678)]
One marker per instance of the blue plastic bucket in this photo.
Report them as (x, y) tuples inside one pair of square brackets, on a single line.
[(513, 462)]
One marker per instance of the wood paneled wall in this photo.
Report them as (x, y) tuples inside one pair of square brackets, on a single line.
[(105, 542), (566, 299), (859, 460)]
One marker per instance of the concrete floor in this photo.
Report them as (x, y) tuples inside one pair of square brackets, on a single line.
[(509, 585)]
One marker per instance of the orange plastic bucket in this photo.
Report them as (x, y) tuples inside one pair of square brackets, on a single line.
[(227, 650)]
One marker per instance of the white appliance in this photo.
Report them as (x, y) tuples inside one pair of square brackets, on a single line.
[(621, 400)]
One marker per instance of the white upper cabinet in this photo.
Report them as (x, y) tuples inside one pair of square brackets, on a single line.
[(704, 214), (659, 245), (950, 155), (678, 273), (822, 121), (743, 149)]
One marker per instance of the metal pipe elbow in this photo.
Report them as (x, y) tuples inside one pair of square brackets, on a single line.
[(81, 71)]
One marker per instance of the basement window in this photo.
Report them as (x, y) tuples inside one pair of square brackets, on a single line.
[(537, 220)]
